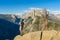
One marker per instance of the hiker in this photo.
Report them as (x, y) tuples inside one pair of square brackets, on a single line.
[(21, 27)]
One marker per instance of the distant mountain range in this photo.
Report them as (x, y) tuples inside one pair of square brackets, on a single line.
[(11, 17), (52, 15)]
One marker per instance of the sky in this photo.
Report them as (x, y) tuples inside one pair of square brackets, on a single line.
[(19, 6)]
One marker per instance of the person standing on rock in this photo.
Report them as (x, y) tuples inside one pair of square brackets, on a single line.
[(21, 27)]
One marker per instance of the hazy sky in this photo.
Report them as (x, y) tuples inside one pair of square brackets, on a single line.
[(18, 6)]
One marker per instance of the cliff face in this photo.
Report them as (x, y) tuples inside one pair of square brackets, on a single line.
[(8, 30), (35, 24)]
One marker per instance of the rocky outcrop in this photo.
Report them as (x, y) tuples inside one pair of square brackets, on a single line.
[(46, 35)]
